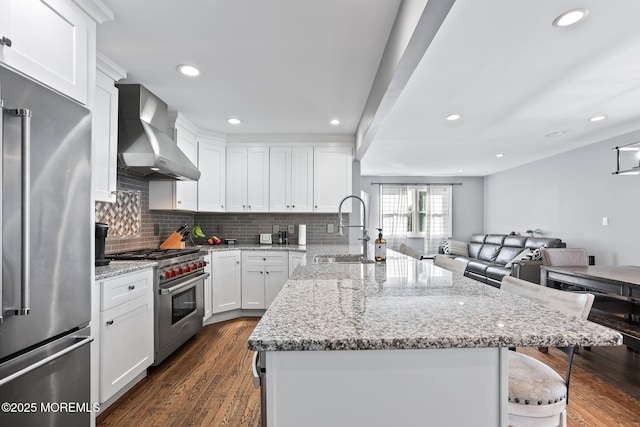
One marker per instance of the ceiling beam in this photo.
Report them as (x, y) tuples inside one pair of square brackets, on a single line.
[(415, 27)]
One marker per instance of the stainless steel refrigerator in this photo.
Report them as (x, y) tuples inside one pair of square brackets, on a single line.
[(46, 256)]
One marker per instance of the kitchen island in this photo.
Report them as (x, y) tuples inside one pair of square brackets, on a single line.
[(401, 343)]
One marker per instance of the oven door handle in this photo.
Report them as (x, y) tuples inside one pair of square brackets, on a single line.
[(176, 288)]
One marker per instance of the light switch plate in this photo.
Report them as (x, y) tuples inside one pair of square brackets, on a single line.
[(330, 229), (291, 229), (605, 220)]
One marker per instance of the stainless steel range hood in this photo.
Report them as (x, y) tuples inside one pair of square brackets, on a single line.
[(144, 144)]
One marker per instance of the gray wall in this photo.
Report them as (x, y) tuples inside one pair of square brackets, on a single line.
[(567, 196), (468, 202)]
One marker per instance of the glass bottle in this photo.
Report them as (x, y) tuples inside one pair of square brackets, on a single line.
[(381, 247)]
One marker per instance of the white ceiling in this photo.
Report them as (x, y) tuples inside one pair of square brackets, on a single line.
[(289, 66)]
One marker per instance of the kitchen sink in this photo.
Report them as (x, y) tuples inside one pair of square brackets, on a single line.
[(342, 259)]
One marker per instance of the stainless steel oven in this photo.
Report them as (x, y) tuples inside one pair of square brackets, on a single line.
[(179, 312), (179, 295)]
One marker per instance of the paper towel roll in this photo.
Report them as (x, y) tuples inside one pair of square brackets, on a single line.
[(302, 234)]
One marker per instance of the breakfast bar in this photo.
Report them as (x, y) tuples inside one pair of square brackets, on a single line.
[(399, 343)]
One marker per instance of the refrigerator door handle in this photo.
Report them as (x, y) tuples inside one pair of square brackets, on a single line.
[(25, 285), (83, 341)]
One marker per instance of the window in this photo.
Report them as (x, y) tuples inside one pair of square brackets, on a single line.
[(416, 211)]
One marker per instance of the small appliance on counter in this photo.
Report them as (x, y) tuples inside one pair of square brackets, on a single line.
[(230, 241), (101, 235), (265, 239)]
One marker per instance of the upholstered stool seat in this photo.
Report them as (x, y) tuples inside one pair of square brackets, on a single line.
[(532, 382)]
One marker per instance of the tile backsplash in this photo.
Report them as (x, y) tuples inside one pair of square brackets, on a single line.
[(131, 223)]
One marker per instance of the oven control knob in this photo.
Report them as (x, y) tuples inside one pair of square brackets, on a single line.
[(188, 269), (200, 265), (180, 270), (167, 275), (194, 266)]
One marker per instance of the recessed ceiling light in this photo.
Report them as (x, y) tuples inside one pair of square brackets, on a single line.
[(597, 118), (188, 70), (460, 170), (452, 117), (556, 133), (500, 155), (154, 169), (335, 122), (234, 121), (570, 17)]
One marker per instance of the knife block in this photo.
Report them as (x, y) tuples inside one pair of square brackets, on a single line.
[(174, 241)]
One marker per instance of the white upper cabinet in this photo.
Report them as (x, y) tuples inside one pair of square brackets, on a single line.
[(211, 186), (247, 186), (50, 41), (186, 191), (178, 195), (104, 131), (331, 178), (291, 179)]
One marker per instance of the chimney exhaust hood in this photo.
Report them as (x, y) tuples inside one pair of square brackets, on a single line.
[(145, 146)]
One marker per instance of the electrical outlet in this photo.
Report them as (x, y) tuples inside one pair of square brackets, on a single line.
[(330, 229), (276, 229), (291, 229), (156, 229), (605, 220)]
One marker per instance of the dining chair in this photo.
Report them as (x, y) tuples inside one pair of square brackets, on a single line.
[(538, 396), (564, 257), (454, 265)]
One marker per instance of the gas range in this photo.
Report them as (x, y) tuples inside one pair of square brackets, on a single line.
[(172, 263)]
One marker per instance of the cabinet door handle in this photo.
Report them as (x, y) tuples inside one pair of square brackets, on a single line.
[(132, 287), (294, 206), (237, 262), (261, 272), (179, 202), (249, 206), (264, 259), (287, 206), (267, 272), (5, 41), (109, 322), (222, 206), (316, 206)]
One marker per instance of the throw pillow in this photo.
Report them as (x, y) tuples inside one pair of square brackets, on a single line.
[(536, 254), (445, 247), (458, 248), (522, 255)]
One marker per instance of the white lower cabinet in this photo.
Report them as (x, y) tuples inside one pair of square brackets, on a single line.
[(263, 275), (225, 281), (126, 330)]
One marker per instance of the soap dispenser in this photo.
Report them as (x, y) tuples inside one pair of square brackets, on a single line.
[(381, 247)]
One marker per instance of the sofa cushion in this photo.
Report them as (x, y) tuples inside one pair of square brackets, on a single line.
[(507, 253), (521, 256), (478, 266), (475, 244), (497, 272), (494, 239), (518, 241), (489, 252)]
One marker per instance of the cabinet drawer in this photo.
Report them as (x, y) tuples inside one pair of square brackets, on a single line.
[(125, 288), (265, 257)]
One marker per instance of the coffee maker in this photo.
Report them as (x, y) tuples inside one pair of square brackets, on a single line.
[(101, 236)]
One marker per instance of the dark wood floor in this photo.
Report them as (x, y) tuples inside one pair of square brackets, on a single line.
[(208, 382)]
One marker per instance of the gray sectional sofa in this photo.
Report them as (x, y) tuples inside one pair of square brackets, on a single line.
[(490, 255)]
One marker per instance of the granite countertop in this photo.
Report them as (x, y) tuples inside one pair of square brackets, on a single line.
[(409, 304), (255, 247), (116, 268)]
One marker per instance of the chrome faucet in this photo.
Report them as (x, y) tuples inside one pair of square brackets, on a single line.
[(365, 233)]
